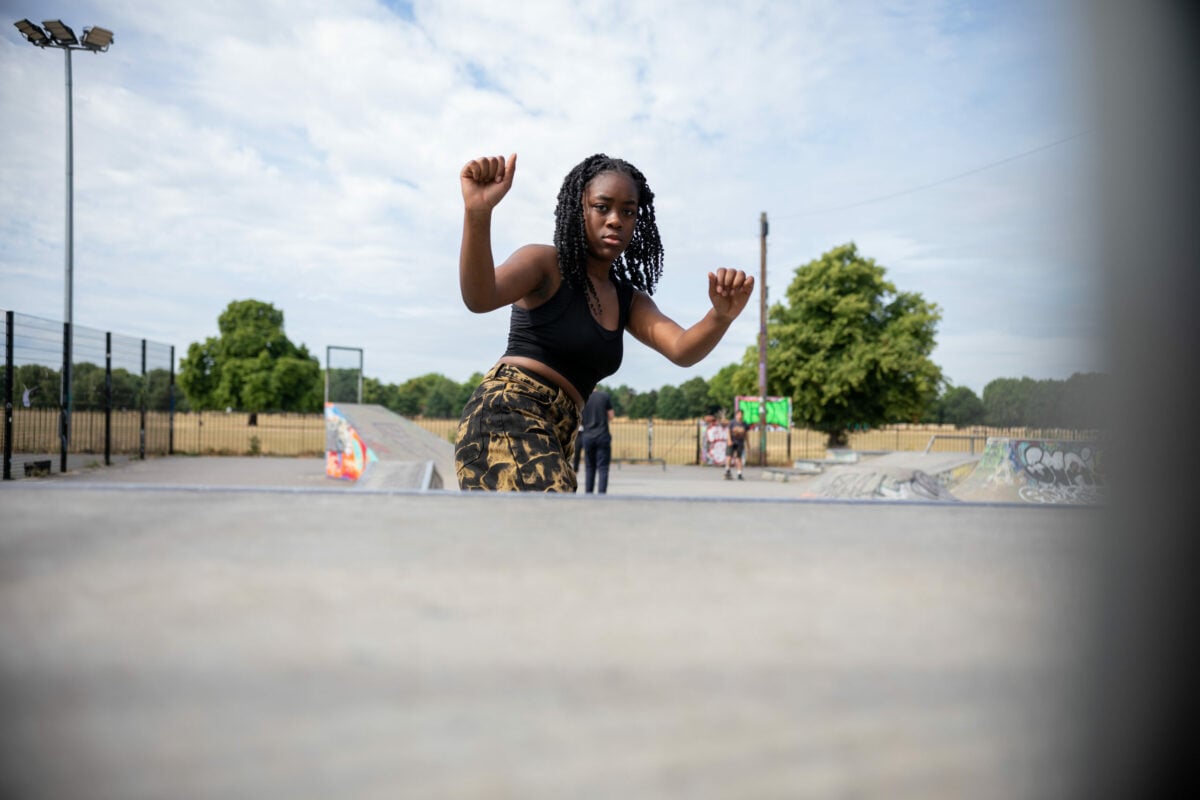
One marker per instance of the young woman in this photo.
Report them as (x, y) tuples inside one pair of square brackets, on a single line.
[(571, 303)]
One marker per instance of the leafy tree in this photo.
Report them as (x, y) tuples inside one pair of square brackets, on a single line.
[(1079, 402), (960, 407), (622, 397), (374, 392), (89, 390), (671, 403), (730, 381), (343, 385), (442, 400), (848, 348), (158, 391), (43, 385), (695, 396), (643, 405), (1005, 401), (430, 395), (251, 365)]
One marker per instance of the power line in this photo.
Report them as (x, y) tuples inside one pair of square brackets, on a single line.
[(939, 182)]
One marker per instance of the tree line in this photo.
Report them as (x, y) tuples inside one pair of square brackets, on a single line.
[(849, 349)]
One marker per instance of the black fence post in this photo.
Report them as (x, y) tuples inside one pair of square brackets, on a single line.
[(108, 399), (171, 407), (64, 411), (8, 394), (142, 414)]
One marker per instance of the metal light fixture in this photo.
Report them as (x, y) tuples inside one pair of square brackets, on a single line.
[(95, 40), (60, 33), (33, 33)]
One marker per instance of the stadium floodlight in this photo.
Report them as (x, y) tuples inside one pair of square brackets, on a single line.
[(32, 32), (60, 33), (95, 40)]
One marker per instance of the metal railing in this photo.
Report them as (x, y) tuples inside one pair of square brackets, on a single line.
[(119, 400)]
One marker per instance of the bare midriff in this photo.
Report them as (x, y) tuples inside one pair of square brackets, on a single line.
[(540, 369)]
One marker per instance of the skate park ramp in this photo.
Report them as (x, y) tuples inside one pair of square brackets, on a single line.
[(1010, 470), (893, 476), (1038, 471), (379, 449)]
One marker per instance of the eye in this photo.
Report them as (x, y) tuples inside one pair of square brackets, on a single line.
[(601, 207)]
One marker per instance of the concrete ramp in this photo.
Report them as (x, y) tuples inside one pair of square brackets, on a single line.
[(894, 476), (379, 449), (1039, 471)]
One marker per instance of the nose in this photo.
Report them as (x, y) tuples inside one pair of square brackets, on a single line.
[(613, 219)]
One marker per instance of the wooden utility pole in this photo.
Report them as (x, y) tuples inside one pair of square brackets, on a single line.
[(762, 340)]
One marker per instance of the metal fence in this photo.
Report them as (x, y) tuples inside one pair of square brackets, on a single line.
[(122, 401), (119, 401)]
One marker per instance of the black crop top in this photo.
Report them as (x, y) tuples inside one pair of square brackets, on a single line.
[(562, 334)]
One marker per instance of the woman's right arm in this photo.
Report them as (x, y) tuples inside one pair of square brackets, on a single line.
[(485, 288)]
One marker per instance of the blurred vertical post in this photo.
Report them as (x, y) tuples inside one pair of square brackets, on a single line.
[(762, 340)]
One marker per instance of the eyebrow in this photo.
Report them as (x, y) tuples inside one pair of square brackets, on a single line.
[(609, 199)]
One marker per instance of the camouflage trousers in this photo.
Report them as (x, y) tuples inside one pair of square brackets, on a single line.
[(517, 433)]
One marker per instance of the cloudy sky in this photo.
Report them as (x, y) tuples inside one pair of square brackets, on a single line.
[(307, 153)]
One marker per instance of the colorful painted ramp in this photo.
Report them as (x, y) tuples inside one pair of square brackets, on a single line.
[(1037, 471), (379, 449)]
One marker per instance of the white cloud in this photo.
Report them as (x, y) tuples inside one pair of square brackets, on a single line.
[(307, 155)]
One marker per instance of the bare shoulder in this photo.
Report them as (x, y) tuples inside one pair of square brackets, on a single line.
[(643, 308)]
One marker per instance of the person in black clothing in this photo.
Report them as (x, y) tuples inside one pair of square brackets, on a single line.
[(570, 305), (735, 452), (596, 441)]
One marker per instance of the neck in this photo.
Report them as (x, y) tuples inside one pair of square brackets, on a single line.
[(598, 270)]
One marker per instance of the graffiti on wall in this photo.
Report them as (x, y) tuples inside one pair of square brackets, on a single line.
[(1043, 471), (1058, 472), (716, 437), (346, 454)]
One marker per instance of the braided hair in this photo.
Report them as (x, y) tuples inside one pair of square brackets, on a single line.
[(641, 263)]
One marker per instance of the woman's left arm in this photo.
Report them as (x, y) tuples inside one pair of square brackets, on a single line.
[(728, 290)]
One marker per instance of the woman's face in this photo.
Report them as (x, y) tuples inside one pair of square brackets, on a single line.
[(610, 206)]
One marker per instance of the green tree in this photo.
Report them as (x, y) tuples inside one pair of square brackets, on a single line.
[(375, 392), (848, 348), (251, 365), (960, 407), (89, 390), (642, 406), (1005, 401), (343, 385), (39, 384), (730, 381), (671, 403), (622, 397), (158, 391), (695, 396), (430, 395)]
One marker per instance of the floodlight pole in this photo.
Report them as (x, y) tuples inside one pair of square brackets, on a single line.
[(69, 299), (762, 339), (95, 40)]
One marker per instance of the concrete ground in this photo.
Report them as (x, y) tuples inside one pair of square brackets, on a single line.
[(195, 628)]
